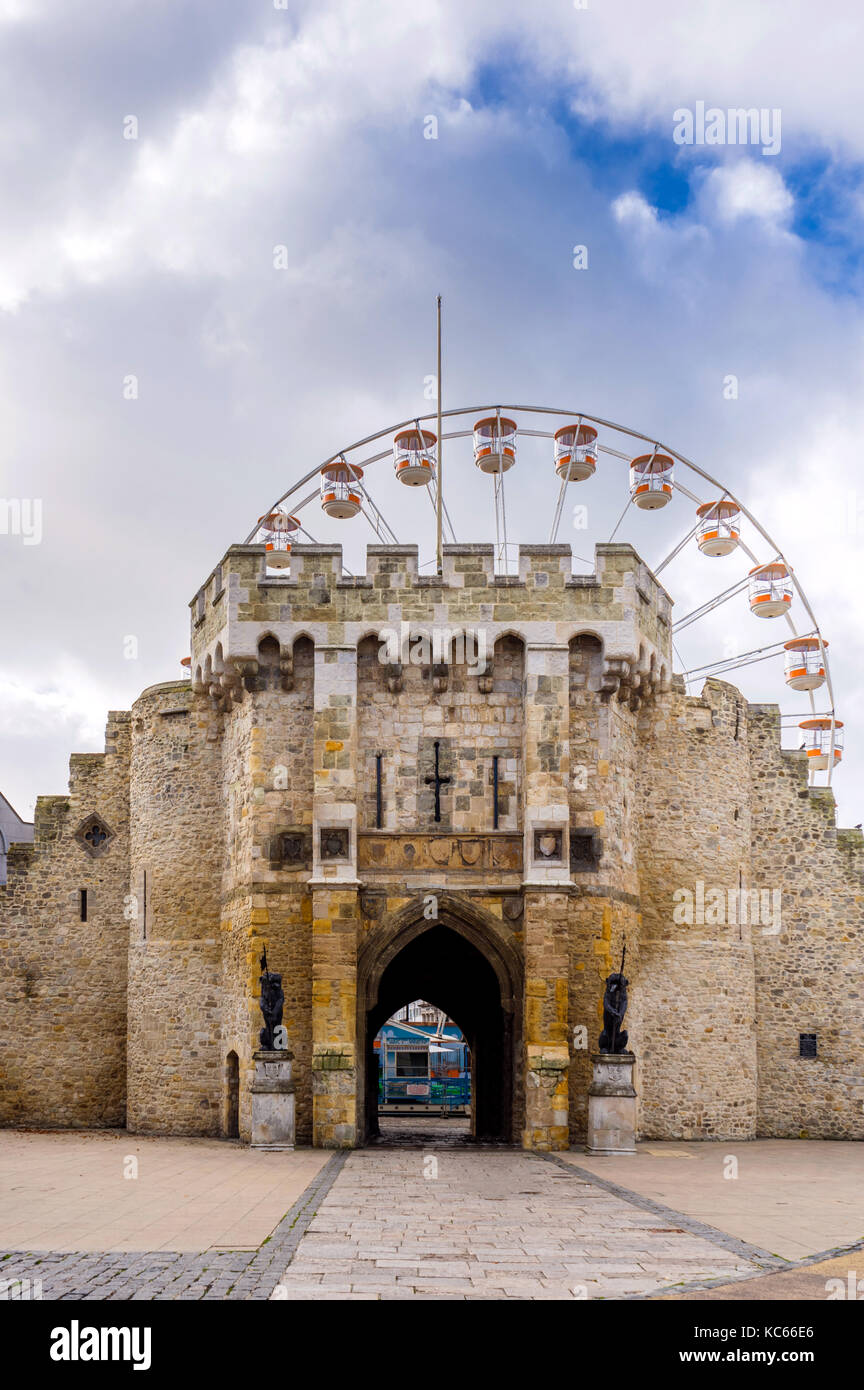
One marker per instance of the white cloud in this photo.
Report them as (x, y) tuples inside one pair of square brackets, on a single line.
[(747, 189), (633, 210)]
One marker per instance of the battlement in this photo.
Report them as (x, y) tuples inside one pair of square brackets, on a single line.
[(544, 603)]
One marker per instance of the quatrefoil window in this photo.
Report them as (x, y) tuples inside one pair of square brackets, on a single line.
[(94, 835)]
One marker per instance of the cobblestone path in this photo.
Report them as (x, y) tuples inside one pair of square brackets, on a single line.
[(401, 1223)]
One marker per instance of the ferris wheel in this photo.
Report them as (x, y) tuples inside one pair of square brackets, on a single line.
[(720, 527)]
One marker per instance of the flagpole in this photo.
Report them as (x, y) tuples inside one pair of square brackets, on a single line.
[(440, 548)]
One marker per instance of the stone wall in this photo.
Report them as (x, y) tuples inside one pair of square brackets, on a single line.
[(472, 714), (809, 973), (178, 841), (696, 1073), (267, 772), (63, 979), (604, 899)]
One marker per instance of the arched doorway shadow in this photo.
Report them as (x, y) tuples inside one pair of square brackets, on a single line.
[(460, 963), (231, 1097)]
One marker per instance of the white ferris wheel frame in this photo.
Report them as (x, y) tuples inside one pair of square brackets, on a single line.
[(377, 521)]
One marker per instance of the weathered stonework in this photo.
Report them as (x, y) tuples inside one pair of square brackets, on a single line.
[(287, 795)]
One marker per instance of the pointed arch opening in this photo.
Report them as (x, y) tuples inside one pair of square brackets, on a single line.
[(458, 963)]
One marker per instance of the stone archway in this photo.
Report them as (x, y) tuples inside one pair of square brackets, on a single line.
[(460, 962)]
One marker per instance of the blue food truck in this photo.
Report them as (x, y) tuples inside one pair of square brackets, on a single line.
[(424, 1064)]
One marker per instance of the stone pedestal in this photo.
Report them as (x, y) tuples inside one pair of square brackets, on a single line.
[(273, 1101), (612, 1105)]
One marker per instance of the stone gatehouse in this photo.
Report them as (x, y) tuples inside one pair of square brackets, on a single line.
[(398, 818)]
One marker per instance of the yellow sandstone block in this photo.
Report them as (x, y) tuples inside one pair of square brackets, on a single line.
[(259, 916), (533, 1018), (603, 767), (334, 746), (599, 817), (561, 1003)]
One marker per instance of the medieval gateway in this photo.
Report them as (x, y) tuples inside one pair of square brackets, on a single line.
[(481, 836)]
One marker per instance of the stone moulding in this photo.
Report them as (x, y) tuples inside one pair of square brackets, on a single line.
[(549, 1058), (388, 850), (333, 1058)]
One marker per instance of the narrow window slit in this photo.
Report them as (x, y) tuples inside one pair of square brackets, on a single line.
[(379, 804)]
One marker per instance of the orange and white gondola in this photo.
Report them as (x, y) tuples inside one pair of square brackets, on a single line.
[(770, 590), (575, 452), (817, 741), (340, 494), (414, 456), (651, 479), (277, 528), (805, 663), (495, 444), (718, 531)]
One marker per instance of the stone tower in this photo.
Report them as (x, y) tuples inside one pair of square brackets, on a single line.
[(468, 788)]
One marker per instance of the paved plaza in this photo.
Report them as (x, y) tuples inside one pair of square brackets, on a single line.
[(423, 1214), (501, 1224)]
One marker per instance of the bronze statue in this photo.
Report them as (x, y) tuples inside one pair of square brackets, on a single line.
[(271, 1004), (614, 1038)]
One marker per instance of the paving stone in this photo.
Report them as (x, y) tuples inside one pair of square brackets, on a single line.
[(494, 1224)]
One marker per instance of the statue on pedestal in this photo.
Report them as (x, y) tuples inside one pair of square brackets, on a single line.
[(271, 1004), (614, 1038)]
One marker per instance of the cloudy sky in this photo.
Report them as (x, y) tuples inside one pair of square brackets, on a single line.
[(253, 126)]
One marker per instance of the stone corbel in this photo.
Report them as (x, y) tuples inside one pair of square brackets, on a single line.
[(247, 669), (632, 690), (286, 668), (649, 685), (616, 671), (231, 686), (393, 676), (440, 677)]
